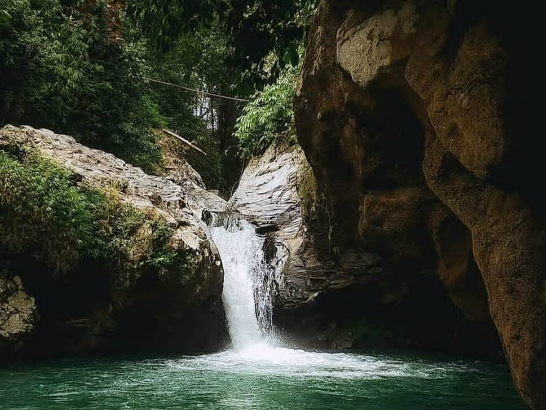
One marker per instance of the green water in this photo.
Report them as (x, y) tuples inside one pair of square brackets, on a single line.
[(270, 378)]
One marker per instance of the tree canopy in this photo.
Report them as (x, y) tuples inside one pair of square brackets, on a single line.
[(79, 67), (255, 29)]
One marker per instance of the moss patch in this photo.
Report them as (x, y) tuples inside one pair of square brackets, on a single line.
[(307, 190), (40, 210)]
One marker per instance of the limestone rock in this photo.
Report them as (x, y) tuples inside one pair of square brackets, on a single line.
[(18, 314), (268, 194), (413, 117)]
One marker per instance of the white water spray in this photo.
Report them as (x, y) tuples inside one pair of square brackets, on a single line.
[(247, 302), (247, 282)]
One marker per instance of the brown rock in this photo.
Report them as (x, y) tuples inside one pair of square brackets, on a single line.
[(414, 118)]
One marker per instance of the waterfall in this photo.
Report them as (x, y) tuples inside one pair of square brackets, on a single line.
[(247, 282)]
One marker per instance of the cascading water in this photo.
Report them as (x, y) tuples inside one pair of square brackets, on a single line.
[(247, 282), (257, 373)]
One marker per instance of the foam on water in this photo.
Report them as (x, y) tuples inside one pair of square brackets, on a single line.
[(264, 360)]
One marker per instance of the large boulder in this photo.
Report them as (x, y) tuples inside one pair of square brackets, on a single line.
[(121, 306), (416, 120), (270, 194)]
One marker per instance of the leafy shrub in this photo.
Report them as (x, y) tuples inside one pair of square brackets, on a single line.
[(40, 210), (130, 238), (42, 213), (268, 114)]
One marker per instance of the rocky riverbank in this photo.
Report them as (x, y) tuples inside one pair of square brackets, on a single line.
[(157, 281)]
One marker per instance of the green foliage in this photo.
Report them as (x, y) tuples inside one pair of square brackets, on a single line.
[(267, 34), (40, 210), (65, 66), (43, 213), (233, 47), (77, 67), (269, 113), (195, 60), (130, 239), (164, 21), (255, 29)]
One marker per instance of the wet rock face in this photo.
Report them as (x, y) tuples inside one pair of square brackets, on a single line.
[(18, 314), (269, 194), (97, 308), (415, 118), (331, 293)]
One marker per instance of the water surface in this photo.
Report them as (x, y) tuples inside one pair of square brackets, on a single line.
[(260, 378), (258, 373)]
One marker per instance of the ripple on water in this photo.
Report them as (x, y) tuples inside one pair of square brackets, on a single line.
[(260, 377)]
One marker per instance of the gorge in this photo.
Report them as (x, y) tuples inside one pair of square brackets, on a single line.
[(259, 370), (384, 251)]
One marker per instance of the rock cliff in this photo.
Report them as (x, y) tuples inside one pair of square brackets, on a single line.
[(415, 117), (330, 293), (269, 194), (172, 301)]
